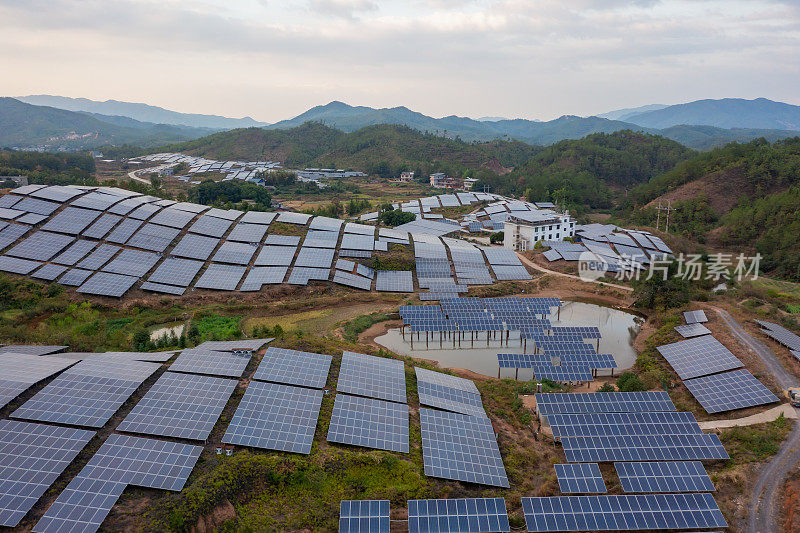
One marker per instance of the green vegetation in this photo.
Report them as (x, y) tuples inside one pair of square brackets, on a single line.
[(353, 328), (748, 444), (216, 328), (239, 193), (630, 382), (396, 217), (591, 173), (48, 169)]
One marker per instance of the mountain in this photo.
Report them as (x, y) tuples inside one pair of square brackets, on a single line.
[(726, 113), (47, 128), (623, 114), (490, 119), (351, 118), (141, 112), (383, 149)]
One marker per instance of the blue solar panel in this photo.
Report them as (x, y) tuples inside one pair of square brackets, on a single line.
[(699, 356), (679, 476), (595, 424), (566, 372), (622, 513), (643, 448), (364, 516), (603, 402), (729, 391), (464, 515), (370, 423), (580, 478), (450, 399)]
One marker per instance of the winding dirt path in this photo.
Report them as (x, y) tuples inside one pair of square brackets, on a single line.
[(572, 276), (766, 491)]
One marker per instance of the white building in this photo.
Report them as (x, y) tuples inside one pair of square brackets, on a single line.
[(468, 183), (524, 229)]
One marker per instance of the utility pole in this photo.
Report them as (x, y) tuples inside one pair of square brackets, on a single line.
[(668, 208)]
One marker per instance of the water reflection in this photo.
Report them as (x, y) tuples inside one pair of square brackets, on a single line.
[(618, 330)]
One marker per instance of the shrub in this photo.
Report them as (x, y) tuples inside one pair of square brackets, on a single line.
[(630, 382)]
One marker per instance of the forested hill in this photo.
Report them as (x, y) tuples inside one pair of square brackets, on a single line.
[(381, 149), (743, 197), (593, 172)]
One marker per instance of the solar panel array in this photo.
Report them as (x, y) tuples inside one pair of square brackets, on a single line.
[(463, 515), (394, 281), (694, 329), (606, 448), (374, 377), (781, 334), (364, 516), (122, 460), (729, 391), (615, 424), (677, 476), (580, 478), (603, 402), (622, 513), (699, 356), (695, 317), (275, 417), (215, 363), (32, 458), (370, 423), (87, 394), (461, 447), (180, 405), (293, 367), (18, 371)]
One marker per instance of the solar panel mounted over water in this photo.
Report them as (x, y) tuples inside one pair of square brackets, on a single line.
[(33, 457), (122, 460), (375, 377), (294, 367), (370, 423), (464, 515), (180, 405), (698, 357), (461, 447), (275, 417)]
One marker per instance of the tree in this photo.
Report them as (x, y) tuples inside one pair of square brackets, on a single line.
[(496, 237), (630, 382), (396, 217), (607, 387)]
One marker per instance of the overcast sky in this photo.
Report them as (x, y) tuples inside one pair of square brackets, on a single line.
[(273, 59)]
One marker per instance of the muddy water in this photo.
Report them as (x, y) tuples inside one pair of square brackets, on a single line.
[(175, 328), (618, 330)]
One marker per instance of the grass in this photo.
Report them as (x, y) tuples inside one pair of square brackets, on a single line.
[(750, 444), (353, 328), (218, 328)]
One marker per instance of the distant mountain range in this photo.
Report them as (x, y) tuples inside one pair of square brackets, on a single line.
[(703, 124), (141, 112), (47, 128)]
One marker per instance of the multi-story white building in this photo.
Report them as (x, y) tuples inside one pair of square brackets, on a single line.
[(523, 229)]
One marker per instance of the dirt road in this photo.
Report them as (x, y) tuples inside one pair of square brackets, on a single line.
[(766, 491), (562, 274)]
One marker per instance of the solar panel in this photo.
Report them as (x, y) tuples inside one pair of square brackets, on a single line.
[(106, 284), (221, 277), (580, 478), (10, 233), (282, 240), (71, 220), (194, 208), (122, 460), (153, 237), (260, 276), (49, 272), (394, 281), (33, 457), (57, 193), (358, 242), (321, 239), (89, 393), (352, 280), (463, 515), (99, 257), (18, 371), (446, 380), (75, 277), (210, 226), (31, 349), (247, 232), (234, 252), (511, 272), (359, 229), (294, 367), (605, 448), (623, 512), (40, 207), (695, 317), (781, 334), (215, 363), (258, 217), (102, 226), (364, 516), (41, 246), (195, 247), (595, 424), (603, 402), (375, 377), (698, 357), (124, 231), (273, 255), (180, 405), (132, 263), (10, 214), (314, 257), (275, 417), (175, 271), (370, 423), (461, 447), (678, 476), (692, 330), (293, 218), (174, 218), (564, 373), (729, 391), (450, 399), (96, 200), (17, 266), (240, 345)]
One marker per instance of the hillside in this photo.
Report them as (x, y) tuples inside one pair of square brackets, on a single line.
[(140, 112), (592, 172), (350, 118), (28, 126), (392, 148), (725, 113), (743, 196)]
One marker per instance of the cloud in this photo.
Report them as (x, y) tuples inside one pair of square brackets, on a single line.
[(346, 9)]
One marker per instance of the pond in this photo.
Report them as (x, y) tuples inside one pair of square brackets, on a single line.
[(175, 328), (618, 330)]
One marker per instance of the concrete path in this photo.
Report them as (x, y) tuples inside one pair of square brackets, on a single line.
[(759, 418)]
